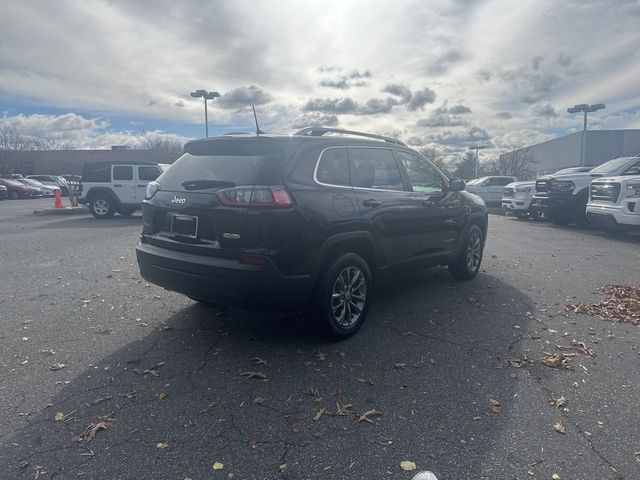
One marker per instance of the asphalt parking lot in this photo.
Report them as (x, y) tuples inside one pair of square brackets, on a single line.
[(105, 376)]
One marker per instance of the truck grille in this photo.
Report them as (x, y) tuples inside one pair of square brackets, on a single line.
[(605, 192), (508, 191), (543, 186)]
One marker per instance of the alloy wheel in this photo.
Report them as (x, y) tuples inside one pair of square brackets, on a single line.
[(474, 251), (348, 296), (101, 207)]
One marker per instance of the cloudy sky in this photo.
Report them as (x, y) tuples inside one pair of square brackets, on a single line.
[(442, 73)]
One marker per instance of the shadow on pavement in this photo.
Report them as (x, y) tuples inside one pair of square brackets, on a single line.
[(176, 401)]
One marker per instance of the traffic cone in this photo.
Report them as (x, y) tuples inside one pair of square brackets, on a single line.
[(57, 202)]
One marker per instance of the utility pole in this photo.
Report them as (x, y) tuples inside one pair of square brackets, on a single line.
[(206, 96)]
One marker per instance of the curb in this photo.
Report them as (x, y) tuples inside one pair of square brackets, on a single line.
[(61, 211)]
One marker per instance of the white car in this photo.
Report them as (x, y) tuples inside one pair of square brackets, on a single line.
[(614, 203), (517, 196), (489, 188), (47, 190)]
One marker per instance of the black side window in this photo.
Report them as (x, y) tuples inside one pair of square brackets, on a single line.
[(375, 168), (123, 172), (148, 173), (333, 167), (95, 173), (423, 177), (633, 169)]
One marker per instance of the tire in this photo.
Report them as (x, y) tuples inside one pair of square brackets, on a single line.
[(580, 214), (466, 266), (344, 296), (101, 206), (15, 195), (125, 212), (524, 215)]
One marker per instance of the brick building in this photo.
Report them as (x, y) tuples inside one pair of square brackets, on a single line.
[(62, 162)]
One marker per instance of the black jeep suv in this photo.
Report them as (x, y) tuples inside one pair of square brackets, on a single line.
[(306, 221)]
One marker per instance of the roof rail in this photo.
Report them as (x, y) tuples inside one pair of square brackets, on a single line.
[(320, 131)]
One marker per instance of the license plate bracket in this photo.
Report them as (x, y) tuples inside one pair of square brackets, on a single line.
[(184, 225)]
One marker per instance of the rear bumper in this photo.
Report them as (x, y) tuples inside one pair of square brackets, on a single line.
[(222, 280)]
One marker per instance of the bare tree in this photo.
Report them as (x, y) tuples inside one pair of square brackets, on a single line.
[(166, 150), (520, 162), (430, 154)]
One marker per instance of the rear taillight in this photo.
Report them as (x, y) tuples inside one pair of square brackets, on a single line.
[(254, 197)]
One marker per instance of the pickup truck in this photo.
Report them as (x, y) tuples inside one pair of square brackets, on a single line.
[(614, 203), (563, 198)]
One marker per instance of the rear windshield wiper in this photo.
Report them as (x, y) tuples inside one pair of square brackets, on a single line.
[(198, 184)]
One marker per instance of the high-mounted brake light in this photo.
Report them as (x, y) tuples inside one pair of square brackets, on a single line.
[(257, 196)]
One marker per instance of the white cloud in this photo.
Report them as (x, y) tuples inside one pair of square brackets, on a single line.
[(77, 131), (375, 66)]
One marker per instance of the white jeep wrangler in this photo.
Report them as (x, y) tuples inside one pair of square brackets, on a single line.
[(614, 203), (110, 187)]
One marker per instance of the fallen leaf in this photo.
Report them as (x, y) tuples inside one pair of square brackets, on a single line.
[(59, 417), (319, 414), (283, 466), (399, 365), (367, 381), (162, 445), (258, 400), (321, 356), (162, 396), (218, 466), (38, 471), (369, 413), (258, 375), (556, 360), (515, 362), (577, 347), (93, 428), (622, 305), (531, 472), (555, 476), (477, 418), (259, 361), (559, 402), (559, 427), (407, 466), (343, 410), (496, 407), (122, 258), (314, 392)]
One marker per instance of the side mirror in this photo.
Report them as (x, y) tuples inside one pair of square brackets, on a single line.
[(456, 184)]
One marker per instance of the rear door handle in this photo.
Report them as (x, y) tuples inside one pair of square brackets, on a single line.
[(371, 203), (142, 185), (117, 185)]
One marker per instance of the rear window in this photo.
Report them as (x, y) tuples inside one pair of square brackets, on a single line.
[(256, 169)]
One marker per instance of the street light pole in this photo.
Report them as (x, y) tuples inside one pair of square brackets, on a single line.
[(583, 107), (205, 96), (476, 148)]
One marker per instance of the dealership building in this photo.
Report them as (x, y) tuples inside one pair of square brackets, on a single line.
[(562, 152)]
